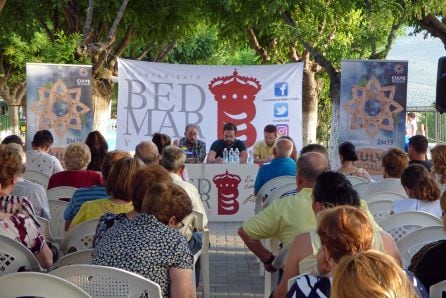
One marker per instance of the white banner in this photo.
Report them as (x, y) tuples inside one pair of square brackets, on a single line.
[(159, 97)]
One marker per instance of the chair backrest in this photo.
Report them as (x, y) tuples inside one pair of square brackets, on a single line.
[(355, 180), (384, 195), (279, 192), (411, 243), (269, 187), (103, 281), (438, 289), (361, 188), (78, 257), (203, 253), (57, 222), (400, 224), (38, 284), (15, 257), (380, 209), (37, 177), (60, 192), (79, 237), (46, 229)]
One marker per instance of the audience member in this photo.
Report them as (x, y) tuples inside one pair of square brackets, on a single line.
[(394, 162), (161, 251), (294, 154), (281, 165), (422, 192), (173, 160), (77, 156), (347, 155), (195, 149), (314, 148), (411, 124), (17, 219), (331, 189), (146, 152), (429, 263), (34, 192), (285, 218), (13, 139), (119, 188), (370, 274), (439, 164), (94, 192), (98, 148), (229, 141), (39, 159), (418, 146), (161, 140), (263, 150)]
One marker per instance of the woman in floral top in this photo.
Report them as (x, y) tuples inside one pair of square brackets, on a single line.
[(347, 155), (16, 213)]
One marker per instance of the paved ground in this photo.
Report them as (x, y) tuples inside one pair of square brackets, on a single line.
[(234, 271)]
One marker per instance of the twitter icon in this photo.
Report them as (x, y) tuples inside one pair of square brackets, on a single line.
[(281, 109)]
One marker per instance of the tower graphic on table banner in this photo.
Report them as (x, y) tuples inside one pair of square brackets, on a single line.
[(235, 96), (227, 185)]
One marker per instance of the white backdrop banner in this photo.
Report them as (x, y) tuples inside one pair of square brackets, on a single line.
[(164, 98)]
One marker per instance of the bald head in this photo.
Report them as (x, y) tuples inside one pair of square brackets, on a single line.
[(147, 152), (283, 148), (309, 166)]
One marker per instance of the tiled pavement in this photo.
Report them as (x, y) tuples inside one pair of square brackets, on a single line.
[(234, 271)]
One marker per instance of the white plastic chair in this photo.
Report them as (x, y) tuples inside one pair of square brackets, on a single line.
[(57, 223), (269, 187), (14, 256), (380, 209), (410, 244), (437, 290), (78, 257), (401, 224), (79, 237), (203, 253), (355, 180), (103, 281), (37, 177), (361, 188), (38, 284), (384, 195), (279, 192), (60, 192), (46, 229)]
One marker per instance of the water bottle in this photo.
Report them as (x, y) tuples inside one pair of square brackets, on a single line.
[(250, 157), (231, 156), (237, 156), (225, 156)]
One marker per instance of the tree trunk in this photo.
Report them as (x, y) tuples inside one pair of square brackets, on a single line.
[(335, 95), (14, 118), (309, 102), (101, 98)]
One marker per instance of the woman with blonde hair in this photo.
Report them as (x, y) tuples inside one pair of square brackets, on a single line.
[(370, 274), (422, 191), (439, 160)]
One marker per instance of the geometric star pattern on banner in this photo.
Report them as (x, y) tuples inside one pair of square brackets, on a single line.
[(60, 108), (372, 107)]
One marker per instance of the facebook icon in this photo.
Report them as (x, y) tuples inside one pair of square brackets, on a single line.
[(281, 89)]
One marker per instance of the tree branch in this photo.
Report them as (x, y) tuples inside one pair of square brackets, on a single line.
[(88, 19), (255, 45), (2, 4), (161, 55), (121, 48), (143, 53), (112, 32), (434, 26), (390, 39)]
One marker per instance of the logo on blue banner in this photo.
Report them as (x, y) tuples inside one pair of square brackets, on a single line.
[(281, 89), (281, 109)]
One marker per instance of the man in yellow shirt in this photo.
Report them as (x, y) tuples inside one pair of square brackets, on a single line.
[(287, 217), (263, 150)]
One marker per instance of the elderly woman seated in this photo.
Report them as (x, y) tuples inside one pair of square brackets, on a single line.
[(17, 219), (77, 157), (146, 241)]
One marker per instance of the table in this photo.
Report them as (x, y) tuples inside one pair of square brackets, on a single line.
[(227, 190)]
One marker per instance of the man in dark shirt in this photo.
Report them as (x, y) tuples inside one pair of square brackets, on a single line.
[(418, 146), (229, 141)]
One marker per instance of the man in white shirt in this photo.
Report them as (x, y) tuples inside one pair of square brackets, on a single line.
[(38, 159), (394, 162)]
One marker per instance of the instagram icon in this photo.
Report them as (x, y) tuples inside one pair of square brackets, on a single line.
[(282, 129)]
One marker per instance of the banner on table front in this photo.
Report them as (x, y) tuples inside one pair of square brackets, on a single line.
[(159, 97), (59, 100), (372, 112)]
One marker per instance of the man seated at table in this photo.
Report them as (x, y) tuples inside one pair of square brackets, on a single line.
[(263, 150), (287, 217), (281, 165), (194, 148), (229, 141)]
